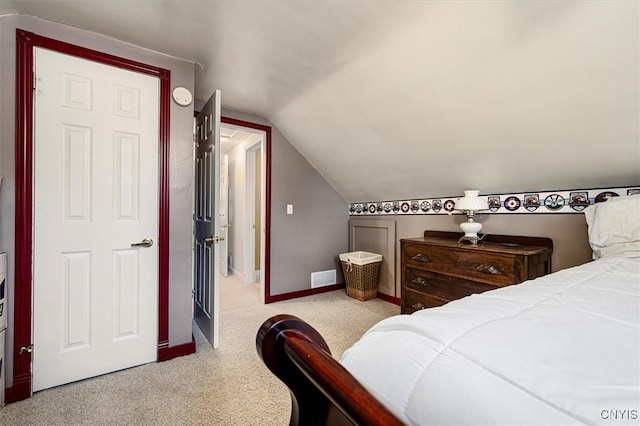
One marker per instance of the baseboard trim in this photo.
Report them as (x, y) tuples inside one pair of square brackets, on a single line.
[(303, 293), (20, 390), (390, 299), (234, 272), (326, 289), (166, 353)]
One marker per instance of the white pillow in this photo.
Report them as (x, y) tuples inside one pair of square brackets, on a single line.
[(614, 226)]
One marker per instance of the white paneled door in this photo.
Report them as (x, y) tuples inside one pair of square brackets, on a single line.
[(95, 219)]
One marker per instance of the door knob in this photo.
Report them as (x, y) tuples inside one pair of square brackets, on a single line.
[(212, 239), (147, 242)]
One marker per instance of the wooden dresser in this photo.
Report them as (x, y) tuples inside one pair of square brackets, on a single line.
[(436, 269)]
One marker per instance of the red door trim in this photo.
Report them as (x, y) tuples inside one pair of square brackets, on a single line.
[(23, 283), (267, 196)]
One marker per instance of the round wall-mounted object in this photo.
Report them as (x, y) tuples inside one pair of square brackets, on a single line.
[(182, 96)]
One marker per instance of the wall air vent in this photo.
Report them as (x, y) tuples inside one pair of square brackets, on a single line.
[(323, 278)]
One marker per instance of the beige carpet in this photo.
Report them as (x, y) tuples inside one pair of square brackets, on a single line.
[(228, 386)]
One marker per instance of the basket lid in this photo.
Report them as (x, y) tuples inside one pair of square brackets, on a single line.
[(360, 257)]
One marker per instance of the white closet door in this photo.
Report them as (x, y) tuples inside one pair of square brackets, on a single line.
[(95, 194)]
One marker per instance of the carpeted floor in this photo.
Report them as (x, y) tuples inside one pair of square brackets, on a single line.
[(227, 386)]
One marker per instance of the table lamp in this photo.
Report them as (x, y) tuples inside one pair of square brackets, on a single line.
[(470, 204)]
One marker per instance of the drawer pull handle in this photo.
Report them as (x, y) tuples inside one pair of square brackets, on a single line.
[(418, 306), (488, 269), (421, 258), (421, 281)]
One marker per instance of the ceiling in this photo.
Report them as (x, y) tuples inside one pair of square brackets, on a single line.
[(232, 136), (410, 99)]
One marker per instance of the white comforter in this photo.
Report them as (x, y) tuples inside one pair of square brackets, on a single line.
[(561, 349)]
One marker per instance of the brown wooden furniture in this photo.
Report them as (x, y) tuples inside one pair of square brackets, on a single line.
[(437, 269), (322, 391), (325, 393)]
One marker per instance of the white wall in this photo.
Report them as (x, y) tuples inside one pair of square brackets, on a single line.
[(237, 207)]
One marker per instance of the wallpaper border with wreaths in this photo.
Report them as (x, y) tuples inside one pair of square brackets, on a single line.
[(545, 202)]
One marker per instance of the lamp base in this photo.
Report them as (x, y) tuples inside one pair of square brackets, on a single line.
[(470, 229), (473, 239)]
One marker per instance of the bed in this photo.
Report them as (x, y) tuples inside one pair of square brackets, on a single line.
[(560, 349)]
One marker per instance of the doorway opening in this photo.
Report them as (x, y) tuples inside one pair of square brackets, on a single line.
[(246, 147)]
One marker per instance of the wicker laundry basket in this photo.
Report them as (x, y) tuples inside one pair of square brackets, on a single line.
[(361, 274)]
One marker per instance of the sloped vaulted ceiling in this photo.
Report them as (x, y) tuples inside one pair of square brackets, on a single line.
[(411, 99)]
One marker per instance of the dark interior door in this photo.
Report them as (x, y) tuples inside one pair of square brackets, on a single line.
[(207, 219)]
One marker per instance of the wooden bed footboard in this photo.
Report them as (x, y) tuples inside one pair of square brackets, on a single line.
[(323, 392)]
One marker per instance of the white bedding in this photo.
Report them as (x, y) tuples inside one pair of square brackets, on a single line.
[(561, 349)]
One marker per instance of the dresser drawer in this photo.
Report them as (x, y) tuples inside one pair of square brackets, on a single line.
[(416, 301), (431, 257), (443, 286), (498, 269), (490, 267)]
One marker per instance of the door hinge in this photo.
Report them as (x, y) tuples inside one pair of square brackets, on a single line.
[(34, 80), (28, 349)]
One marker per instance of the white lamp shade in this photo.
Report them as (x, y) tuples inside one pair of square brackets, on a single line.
[(471, 202)]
